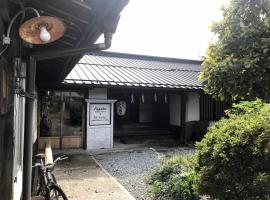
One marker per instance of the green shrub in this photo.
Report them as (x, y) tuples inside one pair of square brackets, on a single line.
[(234, 157), (174, 179)]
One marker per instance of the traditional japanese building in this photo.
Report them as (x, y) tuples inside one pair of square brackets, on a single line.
[(40, 43), (112, 95)]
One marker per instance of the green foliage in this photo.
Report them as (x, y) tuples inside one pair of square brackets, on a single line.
[(245, 107), (174, 179), (237, 65), (234, 157)]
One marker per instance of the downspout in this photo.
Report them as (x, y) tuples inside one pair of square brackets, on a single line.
[(75, 51), (107, 42), (29, 103)]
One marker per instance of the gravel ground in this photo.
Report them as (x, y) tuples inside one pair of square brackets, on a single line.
[(130, 167)]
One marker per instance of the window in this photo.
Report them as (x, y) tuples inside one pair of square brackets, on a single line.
[(61, 114), (72, 113)]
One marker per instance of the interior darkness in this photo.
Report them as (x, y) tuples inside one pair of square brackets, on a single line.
[(143, 117)]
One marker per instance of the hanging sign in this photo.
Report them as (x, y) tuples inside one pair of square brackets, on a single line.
[(121, 108), (100, 114)]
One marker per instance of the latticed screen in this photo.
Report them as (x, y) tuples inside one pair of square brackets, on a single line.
[(211, 109)]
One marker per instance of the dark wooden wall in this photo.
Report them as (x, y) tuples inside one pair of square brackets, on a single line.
[(6, 128), (7, 116), (211, 109)]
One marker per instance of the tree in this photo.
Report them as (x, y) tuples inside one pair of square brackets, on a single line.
[(233, 158), (237, 65)]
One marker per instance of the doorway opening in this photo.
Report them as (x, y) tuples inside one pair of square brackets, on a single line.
[(142, 118)]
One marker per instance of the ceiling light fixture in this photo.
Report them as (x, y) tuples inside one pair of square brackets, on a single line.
[(37, 30), (44, 35), (42, 30)]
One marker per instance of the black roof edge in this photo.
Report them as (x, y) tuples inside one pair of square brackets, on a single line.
[(65, 86), (144, 57)]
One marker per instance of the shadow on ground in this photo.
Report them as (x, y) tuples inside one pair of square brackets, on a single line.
[(82, 179)]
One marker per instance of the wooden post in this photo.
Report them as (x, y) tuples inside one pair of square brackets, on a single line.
[(183, 118), (62, 115), (48, 154)]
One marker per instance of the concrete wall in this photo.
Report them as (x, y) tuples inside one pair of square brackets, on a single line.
[(98, 93), (193, 107), (175, 110), (100, 135)]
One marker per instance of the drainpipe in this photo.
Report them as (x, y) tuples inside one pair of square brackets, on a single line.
[(29, 104), (107, 42), (75, 51)]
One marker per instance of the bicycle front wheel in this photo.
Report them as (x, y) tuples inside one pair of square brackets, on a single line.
[(56, 193)]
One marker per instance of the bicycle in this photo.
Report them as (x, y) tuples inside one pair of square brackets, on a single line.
[(47, 185)]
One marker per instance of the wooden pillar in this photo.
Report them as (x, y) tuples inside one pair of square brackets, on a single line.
[(183, 118), (84, 120), (62, 116), (83, 125), (48, 154)]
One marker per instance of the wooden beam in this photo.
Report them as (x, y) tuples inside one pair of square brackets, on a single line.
[(183, 118)]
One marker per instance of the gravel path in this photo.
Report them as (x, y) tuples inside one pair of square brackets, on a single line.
[(130, 167)]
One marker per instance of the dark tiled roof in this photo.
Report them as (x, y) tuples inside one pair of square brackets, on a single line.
[(118, 69)]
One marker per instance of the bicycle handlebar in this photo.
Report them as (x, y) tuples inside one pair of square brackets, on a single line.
[(64, 157), (37, 165)]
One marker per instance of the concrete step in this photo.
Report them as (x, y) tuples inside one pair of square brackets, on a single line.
[(141, 132)]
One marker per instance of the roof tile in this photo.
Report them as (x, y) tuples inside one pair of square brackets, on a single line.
[(108, 68)]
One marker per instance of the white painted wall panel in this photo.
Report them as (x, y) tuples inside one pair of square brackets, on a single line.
[(175, 110), (99, 138), (98, 93), (193, 107)]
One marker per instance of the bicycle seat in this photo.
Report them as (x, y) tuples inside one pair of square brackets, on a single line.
[(40, 155)]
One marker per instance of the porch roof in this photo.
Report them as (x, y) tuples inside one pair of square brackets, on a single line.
[(128, 70), (85, 21)]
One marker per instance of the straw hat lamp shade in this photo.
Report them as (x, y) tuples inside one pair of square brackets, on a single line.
[(42, 30)]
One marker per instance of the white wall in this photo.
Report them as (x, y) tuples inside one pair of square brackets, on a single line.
[(175, 110), (193, 107), (98, 93), (35, 124), (19, 122)]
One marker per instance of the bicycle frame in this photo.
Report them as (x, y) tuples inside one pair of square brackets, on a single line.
[(46, 177)]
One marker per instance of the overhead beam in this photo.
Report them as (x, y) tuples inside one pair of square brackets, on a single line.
[(62, 53), (81, 4), (46, 6)]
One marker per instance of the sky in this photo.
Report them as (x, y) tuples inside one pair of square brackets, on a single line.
[(168, 28)]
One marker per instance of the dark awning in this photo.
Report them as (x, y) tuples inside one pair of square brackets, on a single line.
[(84, 22)]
